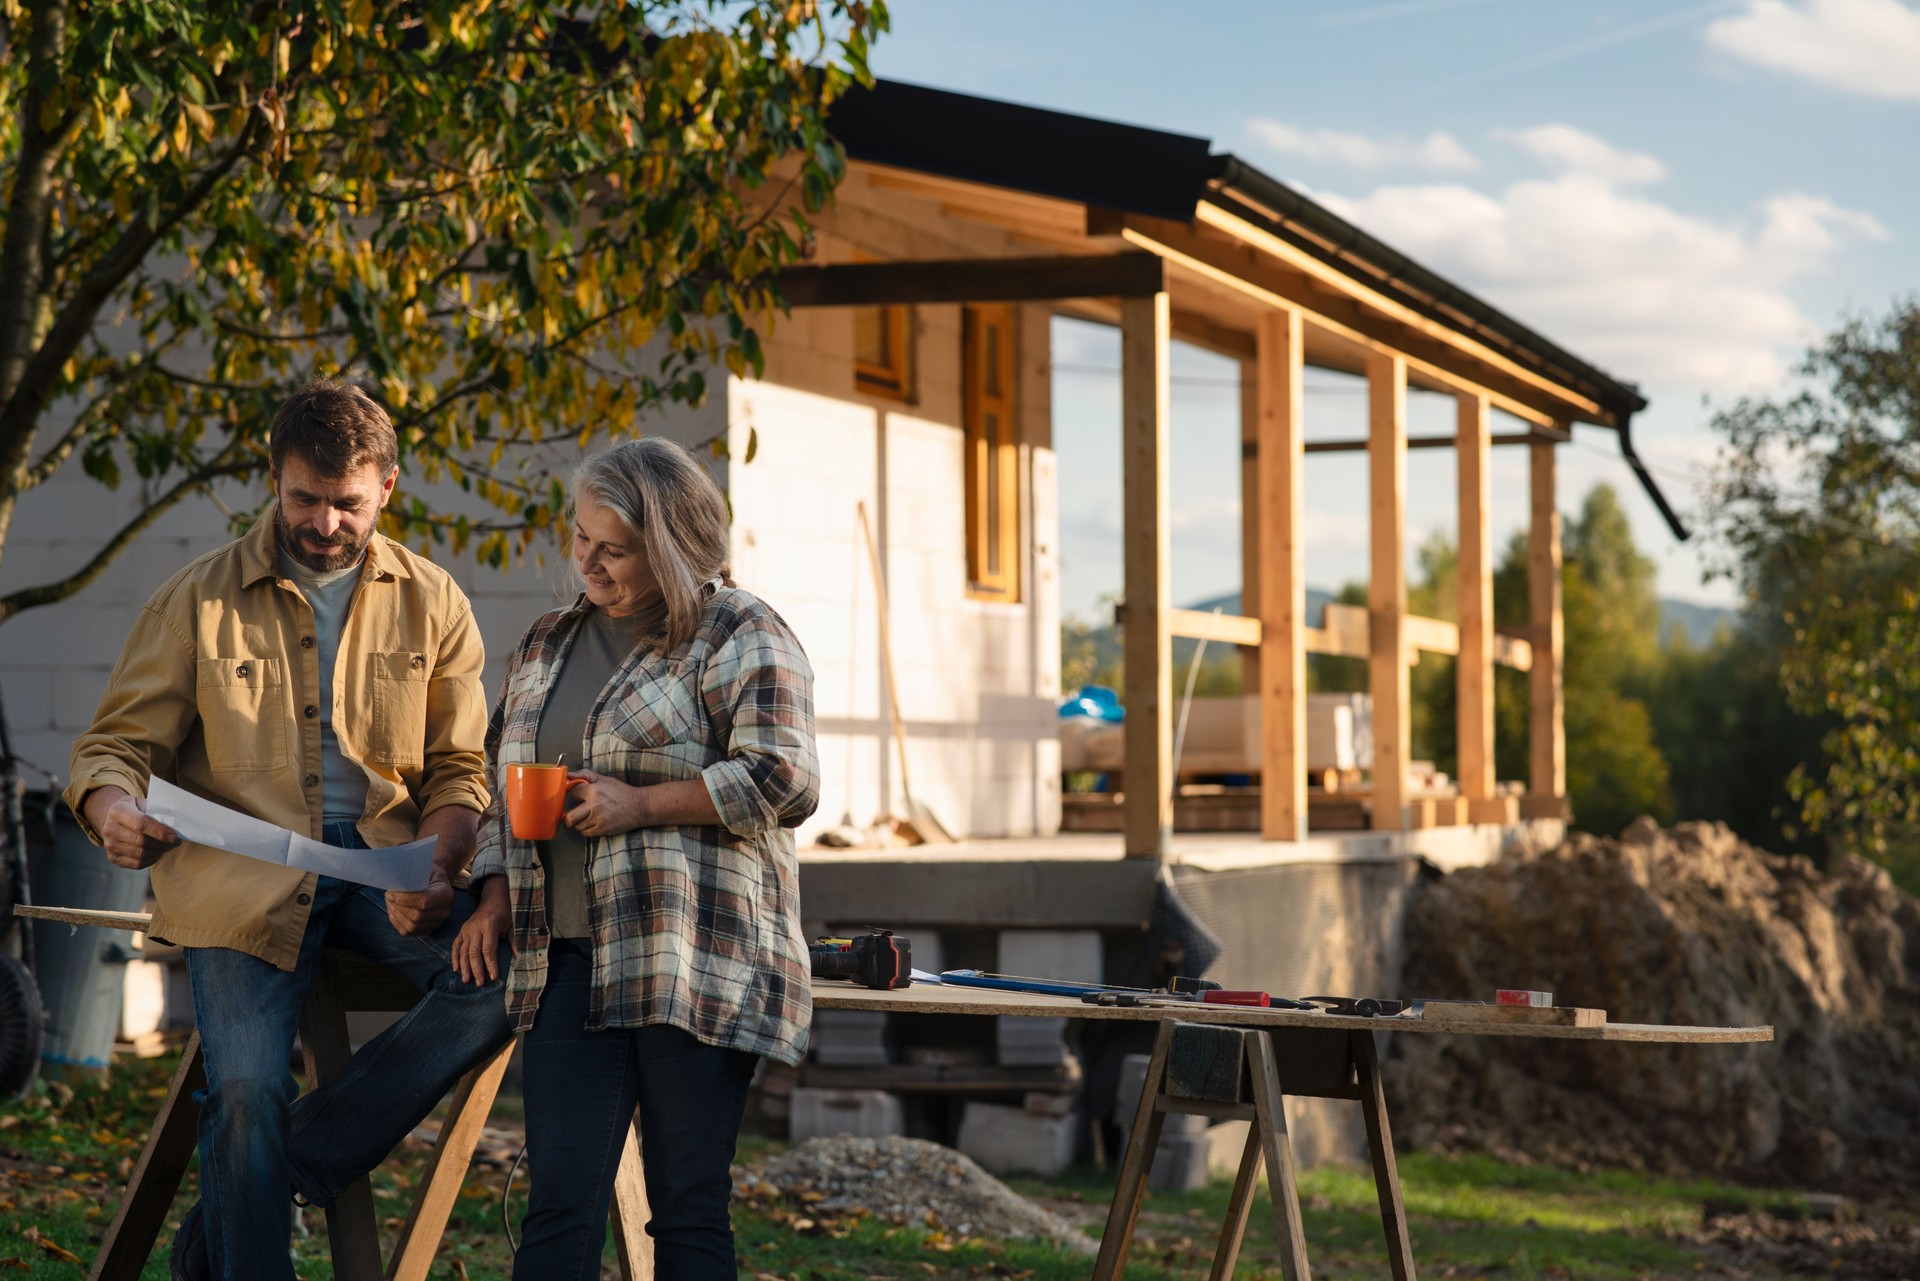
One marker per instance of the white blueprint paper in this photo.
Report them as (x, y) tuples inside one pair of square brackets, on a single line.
[(398, 867)]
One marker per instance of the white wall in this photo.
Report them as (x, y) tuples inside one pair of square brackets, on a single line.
[(975, 690)]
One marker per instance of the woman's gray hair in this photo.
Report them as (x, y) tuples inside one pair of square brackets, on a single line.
[(663, 494)]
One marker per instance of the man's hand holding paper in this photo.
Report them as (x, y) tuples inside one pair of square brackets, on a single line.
[(406, 867)]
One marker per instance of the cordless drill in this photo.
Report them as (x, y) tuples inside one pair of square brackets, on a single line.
[(875, 959)]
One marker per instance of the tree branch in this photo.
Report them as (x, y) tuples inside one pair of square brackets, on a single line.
[(29, 397), (29, 209), (225, 464)]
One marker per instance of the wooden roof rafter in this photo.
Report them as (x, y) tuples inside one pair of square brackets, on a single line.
[(1220, 266)]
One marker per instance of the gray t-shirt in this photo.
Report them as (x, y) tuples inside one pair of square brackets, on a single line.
[(601, 646), (343, 784)]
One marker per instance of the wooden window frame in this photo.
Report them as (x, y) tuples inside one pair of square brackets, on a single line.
[(894, 379), (990, 460)]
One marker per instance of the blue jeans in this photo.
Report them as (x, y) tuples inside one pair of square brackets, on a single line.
[(582, 1089), (257, 1144)]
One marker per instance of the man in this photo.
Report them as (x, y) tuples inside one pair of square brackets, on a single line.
[(321, 677)]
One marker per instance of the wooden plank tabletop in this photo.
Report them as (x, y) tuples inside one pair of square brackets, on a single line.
[(922, 998), (928, 998), (136, 921)]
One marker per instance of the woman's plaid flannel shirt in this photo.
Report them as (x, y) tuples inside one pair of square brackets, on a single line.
[(696, 927)]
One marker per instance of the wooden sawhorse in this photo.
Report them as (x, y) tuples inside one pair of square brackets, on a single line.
[(1243, 1073), (348, 982)]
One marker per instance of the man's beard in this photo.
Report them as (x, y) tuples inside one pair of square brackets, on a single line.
[(342, 549)]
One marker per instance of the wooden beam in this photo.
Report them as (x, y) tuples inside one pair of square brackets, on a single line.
[(1387, 588), (1473, 674), (1211, 215), (1546, 707), (1280, 484), (1224, 629), (1145, 325), (1426, 442), (1512, 651), (1238, 269), (1249, 507), (1432, 635), (873, 284), (1345, 632), (1348, 633)]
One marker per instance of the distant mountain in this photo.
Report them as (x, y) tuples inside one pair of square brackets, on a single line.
[(1698, 623)]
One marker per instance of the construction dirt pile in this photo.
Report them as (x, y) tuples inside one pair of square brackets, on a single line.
[(1681, 926), (906, 1181)]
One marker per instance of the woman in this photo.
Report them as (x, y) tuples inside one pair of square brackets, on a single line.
[(657, 937)]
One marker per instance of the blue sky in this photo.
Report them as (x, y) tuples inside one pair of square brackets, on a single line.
[(1685, 194)]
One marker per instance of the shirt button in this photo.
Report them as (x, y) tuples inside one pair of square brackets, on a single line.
[(306, 642), (313, 780), (304, 899), (312, 711)]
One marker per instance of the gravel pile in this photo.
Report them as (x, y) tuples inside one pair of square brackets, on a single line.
[(907, 1181)]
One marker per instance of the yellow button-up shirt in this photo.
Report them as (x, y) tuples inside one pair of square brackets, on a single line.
[(216, 689)]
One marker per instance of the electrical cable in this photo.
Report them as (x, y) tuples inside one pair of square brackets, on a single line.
[(506, 1220)]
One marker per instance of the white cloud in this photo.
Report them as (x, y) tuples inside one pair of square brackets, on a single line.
[(1867, 47), (1647, 292), (1439, 152), (1575, 151)]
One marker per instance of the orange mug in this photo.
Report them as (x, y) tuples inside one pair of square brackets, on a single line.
[(536, 795)]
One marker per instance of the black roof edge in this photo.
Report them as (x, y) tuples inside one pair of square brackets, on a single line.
[(1406, 281), (1005, 144), (1166, 175)]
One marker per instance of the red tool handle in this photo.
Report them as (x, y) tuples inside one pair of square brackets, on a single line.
[(1233, 997)]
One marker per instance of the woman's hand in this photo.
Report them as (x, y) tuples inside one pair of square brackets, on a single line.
[(606, 806), (476, 950)]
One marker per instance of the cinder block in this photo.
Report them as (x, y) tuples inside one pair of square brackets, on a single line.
[(1184, 1162), (1054, 954), (851, 1038), (1180, 1162), (1011, 1140), (823, 1114), (1227, 1142)]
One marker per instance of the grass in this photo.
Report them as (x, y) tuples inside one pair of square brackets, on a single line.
[(66, 1150)]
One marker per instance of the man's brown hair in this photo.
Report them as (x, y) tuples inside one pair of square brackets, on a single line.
[(334, 428)]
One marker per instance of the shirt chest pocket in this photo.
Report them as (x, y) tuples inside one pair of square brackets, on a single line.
[(243, 716), (658, 710), (399, 681)]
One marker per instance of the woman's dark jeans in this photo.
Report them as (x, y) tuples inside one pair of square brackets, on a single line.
[(582, 1089)]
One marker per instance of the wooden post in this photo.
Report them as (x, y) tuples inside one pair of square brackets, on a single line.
[(1145, 330), (1250, 519), (1546, 705), (1283, 591), (1387, 587), (1474, 667)]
